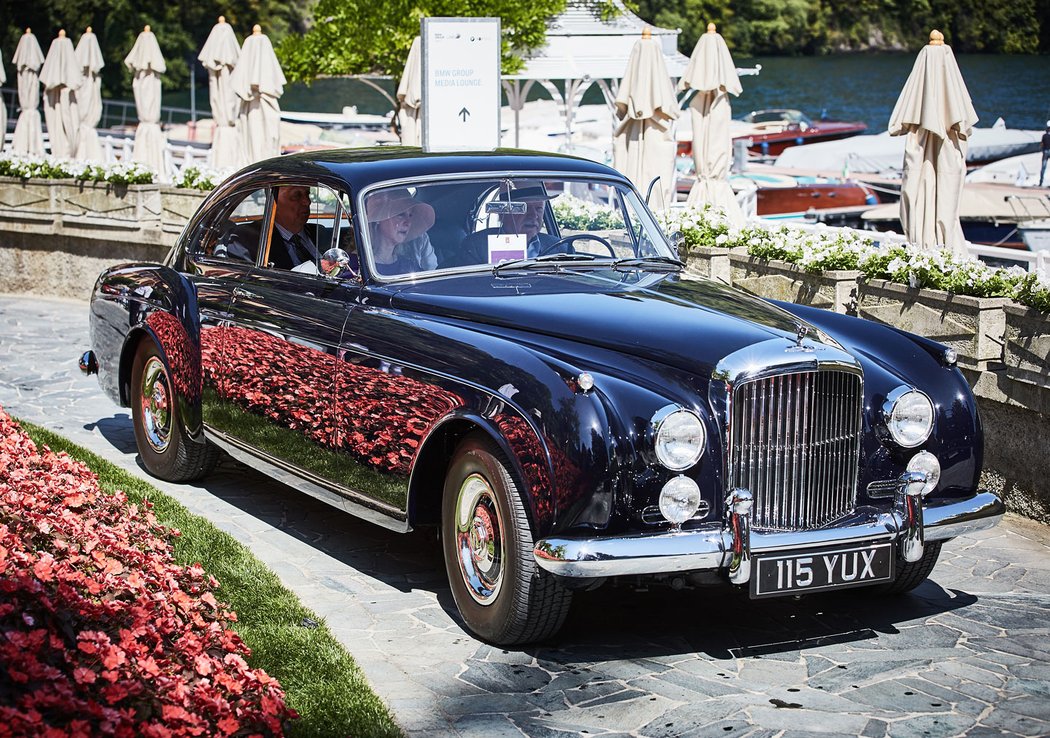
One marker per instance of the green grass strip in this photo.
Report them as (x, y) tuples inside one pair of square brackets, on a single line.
[(321, 680)]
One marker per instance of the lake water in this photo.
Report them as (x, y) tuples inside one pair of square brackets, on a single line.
[(853, 87)]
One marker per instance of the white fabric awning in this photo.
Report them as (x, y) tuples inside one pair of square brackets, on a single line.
[(581, 45), (582, 49)]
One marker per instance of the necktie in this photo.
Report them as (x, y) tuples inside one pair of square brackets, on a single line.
[(301, 249)]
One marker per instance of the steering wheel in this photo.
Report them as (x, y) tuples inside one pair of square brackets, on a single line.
[(569, 240)]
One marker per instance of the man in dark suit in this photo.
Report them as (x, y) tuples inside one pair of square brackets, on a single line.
[(290, 244), (475, 248)]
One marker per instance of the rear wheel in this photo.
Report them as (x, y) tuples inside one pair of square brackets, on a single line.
[(166, 450), (503, 596)]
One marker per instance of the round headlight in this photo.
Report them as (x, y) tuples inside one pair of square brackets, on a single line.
[(679, 500), (679, 438), (926, 463), (909, 417)]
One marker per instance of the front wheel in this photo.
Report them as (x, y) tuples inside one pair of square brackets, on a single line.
[(166, 450), (503, 596), (910, 574)]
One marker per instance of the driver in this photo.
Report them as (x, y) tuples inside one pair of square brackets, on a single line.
[(474, 248)]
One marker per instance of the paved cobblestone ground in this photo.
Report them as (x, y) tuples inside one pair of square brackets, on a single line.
[(967, 653)]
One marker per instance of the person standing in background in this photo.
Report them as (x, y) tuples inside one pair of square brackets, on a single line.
[(1046, 152)]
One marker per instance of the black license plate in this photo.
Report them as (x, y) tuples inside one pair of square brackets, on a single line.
[(820, 570)]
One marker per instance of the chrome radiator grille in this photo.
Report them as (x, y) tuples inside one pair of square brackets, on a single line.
[(794, 443)]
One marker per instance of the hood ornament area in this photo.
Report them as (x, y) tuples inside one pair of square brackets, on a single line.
[(801, 331)]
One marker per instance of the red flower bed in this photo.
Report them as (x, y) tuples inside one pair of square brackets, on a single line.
[(101, 633)]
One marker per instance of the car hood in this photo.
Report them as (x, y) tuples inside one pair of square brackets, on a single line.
[(684, 323)]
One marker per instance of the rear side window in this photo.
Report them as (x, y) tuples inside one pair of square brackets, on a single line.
[(233, 229)]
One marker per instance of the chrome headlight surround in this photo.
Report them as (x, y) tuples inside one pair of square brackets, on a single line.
[(908, 415), (679, 437)]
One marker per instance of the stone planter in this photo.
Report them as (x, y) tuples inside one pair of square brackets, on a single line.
[(973, 326), (779, 280), (177, 207), (28, 203), (1026, 346), (107, 207), (708, 261)]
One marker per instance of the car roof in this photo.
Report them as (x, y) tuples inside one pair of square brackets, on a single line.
[(361, 167)]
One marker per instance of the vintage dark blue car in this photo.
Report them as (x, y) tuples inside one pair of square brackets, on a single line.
[(505, 345)]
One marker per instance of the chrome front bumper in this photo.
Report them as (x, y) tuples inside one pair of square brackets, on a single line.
[(717, 546)]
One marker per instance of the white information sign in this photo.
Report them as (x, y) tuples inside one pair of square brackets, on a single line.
[(461, 83)]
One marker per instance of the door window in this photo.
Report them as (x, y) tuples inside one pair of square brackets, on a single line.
[(311, 231)]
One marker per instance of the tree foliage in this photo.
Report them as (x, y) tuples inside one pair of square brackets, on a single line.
[(360, 37), (336, 37), (828, 26), (181, 29)]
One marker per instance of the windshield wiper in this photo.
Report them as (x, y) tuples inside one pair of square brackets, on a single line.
[(548, 260), (642, 261)]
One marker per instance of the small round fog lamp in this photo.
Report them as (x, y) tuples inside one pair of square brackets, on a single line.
[(679, 499), (926, 463)]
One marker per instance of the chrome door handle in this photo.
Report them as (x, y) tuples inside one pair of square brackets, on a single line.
[(241, 292)]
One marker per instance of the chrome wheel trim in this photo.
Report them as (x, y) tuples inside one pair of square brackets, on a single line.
[(155, 403), (480, 540)]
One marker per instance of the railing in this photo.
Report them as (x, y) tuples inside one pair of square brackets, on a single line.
[(115, 113)]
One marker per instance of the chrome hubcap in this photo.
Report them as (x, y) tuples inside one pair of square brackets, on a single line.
[(479, 539), (156, 405)]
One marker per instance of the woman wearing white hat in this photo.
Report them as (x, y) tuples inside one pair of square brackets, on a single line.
[(397, 226)]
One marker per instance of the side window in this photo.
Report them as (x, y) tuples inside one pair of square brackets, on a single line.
[(234, 231), (309, 223)]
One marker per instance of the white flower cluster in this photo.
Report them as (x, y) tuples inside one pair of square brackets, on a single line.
[(50, 167), (200, 177), (822, 248), (578, 214), (694, 218)]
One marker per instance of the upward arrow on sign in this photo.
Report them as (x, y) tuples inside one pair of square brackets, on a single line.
[(464, 114)]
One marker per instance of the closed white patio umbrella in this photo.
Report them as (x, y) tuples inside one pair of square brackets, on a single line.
[(219, 56), (3, 108), (28, 58), (712, 73), (89, 97), (146, 62), (258, 81), (61, 78), (410, 97), (643, 147), (936, 115)]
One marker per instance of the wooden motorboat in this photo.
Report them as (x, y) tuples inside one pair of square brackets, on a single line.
[(769, 132), (991, 214), (796, 197)]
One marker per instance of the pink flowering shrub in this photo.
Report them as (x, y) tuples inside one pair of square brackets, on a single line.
[(101, 632)]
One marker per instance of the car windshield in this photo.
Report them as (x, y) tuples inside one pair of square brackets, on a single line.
[(481, 223)]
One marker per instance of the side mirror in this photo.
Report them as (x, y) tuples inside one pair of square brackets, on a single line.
[(677, 240)]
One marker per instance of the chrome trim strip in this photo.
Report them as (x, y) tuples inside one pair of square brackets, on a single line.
[(302, 481), (710, 546)]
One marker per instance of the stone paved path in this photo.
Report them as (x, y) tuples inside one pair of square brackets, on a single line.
[(968, 653)]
